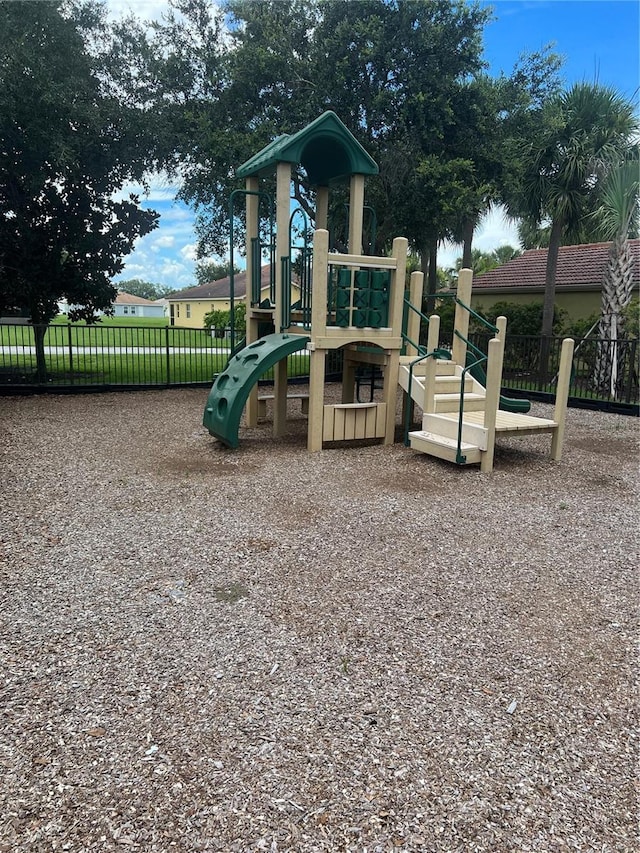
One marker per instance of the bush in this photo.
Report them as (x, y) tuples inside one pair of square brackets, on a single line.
[(221, 320), (524, 319)]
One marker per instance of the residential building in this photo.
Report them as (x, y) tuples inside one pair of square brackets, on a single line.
[(579, 277), (189, 307)]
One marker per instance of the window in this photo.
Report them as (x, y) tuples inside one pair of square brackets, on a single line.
[(188, 310), (133, 309), (177, 310), (125, 310)]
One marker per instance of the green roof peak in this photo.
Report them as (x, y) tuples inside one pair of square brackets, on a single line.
[(325, 148)]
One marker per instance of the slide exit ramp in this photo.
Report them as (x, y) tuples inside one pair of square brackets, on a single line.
[(232, 387)]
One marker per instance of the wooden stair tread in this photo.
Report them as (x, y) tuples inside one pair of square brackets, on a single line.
[(438, 445)]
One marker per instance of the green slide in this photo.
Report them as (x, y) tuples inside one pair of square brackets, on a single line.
[(232, 387), (507, 404)]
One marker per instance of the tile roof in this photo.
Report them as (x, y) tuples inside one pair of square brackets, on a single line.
[(124, 298), (579, 268), (220, 289)]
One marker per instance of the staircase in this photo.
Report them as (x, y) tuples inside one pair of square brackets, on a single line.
[(440, 426)]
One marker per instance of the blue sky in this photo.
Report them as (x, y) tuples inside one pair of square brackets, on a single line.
[(599, 40)]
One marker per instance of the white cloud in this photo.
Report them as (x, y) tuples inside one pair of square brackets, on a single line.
[(494, 230), (189, 252), (146, 10), (164, 242)]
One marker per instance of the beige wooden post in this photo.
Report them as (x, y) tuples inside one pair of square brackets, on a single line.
[(390, 393), (252, 232), (492, 399), (461, 322), (348, 381), (316, 400), (413, 319), (396, 296), (251, 204), (356, 214), (318, 329), (431, 366), (322, 207), (283, 212), (283, 204), (501, 325), (562, 396), (319, 284)]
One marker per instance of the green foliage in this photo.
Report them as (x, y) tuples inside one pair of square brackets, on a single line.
[(69, 145), (563, 164), (579, 328), (218, 320), (207, 271), (393, 72), (482, 262), (523, 319), (144, 289), (221, 320), (632, 319)]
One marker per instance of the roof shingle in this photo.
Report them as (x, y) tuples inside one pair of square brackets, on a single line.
[(579, 267), (220, 289)]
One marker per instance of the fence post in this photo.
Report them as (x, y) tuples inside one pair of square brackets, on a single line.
[(70, 343), (631, 368), (166, 338)]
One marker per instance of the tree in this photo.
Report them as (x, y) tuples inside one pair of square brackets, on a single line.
[(482, 262), (144, 289), (616, 218), (68, 145), (207, 271), (562, 166), (388, 69)]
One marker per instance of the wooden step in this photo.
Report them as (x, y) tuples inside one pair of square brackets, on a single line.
[(447, 426), (451, 384), (443, 368), (451, 402), (443, 447)]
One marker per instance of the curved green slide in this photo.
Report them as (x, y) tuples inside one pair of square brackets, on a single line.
[(232, 387), (507, 404)]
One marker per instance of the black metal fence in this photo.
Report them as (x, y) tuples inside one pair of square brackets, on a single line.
[(604, 372), (105, 357), (78, 357)]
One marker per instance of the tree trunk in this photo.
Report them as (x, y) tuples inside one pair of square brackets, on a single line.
[(550, 277), (555, 239), (39, 332), (467, 239), (429, 249), (617, 290)]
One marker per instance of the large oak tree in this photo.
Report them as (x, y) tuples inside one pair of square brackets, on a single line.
[(68, 145)]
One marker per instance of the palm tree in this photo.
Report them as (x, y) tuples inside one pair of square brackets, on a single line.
[(585, 131), (617, 218)]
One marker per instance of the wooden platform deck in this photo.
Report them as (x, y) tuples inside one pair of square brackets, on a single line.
[(507, 423)]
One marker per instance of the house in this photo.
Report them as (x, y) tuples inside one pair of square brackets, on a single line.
[(579, 276), (127, 305), (189, 307)]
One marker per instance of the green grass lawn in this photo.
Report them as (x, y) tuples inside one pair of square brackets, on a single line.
[(128, 369), (115, 332)]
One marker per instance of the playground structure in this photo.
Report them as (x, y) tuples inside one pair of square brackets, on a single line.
[(355, 303)]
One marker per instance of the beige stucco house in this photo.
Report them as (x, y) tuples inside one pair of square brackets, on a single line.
[(579, 278), (189, 307)]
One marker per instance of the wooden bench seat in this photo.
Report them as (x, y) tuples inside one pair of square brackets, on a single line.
[(262, 403)]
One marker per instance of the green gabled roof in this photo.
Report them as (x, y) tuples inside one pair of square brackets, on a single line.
[(325, 149)]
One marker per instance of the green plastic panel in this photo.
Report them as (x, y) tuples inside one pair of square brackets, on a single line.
[(229, 393)]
